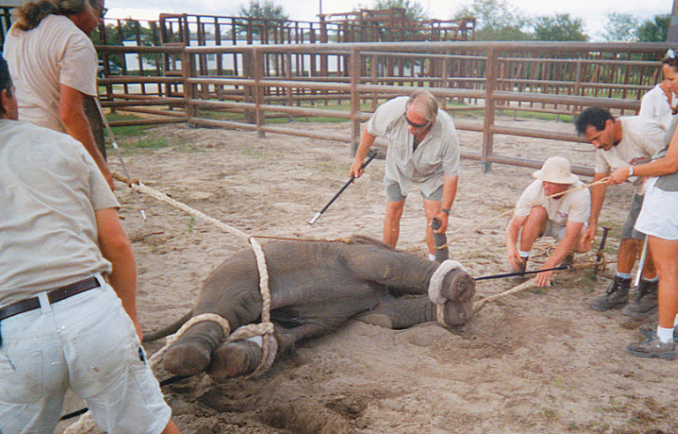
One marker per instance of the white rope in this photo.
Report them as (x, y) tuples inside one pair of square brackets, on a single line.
[(435, 287), (86, 424)]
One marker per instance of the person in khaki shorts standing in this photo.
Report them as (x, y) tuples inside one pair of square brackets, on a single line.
[(68, 315)]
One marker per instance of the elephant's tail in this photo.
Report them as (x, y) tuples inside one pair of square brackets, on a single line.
[(168, 330)]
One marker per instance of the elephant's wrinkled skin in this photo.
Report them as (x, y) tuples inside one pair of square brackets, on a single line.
[(315, 287)]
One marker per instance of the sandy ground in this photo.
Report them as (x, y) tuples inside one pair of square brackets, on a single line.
[(537, 362)]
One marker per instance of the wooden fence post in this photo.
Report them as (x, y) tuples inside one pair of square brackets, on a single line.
[(490, 85)]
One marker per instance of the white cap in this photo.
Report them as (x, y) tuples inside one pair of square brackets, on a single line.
[(556, 170)]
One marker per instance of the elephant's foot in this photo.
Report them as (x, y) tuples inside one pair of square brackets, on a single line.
[(186, 359), (458, 286), (234, 359), (458, 312)]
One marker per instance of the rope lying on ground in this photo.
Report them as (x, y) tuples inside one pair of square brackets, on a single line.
[(530, 284), (535, 202)]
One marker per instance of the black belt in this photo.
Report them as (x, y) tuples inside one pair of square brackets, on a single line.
[(53, 297)]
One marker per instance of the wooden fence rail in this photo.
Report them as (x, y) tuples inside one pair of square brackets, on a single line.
[(490, 78)]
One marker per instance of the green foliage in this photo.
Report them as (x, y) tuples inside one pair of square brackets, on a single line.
[(559, 27), (496, 20), (414, 11), (654, 30), (259, 11), (621, 27)]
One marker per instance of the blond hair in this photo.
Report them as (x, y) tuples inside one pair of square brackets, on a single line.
[(31, 14), (423, 103)]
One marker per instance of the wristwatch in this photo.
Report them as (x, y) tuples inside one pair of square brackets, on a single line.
[(446, 211), (630, 170)]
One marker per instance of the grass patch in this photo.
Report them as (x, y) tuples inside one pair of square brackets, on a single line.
[(145, 143), (131, 131)]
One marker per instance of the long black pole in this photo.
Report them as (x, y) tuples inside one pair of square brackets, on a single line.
[(522, 273), (317, 216)]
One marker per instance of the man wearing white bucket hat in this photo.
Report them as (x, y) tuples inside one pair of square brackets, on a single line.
[(551, 206)]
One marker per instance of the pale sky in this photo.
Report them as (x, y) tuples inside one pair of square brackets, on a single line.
[(593, 12)]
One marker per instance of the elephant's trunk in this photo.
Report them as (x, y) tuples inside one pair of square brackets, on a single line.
[(439, 240)]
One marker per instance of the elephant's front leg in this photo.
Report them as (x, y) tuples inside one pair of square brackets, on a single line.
[(404, 312)]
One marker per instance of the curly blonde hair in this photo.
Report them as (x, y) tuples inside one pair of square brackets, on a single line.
[(31, 14)]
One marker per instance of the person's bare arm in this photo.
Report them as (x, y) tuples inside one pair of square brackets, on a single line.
[(572, 231), (449, 194), (597, 200), (116, 248), (74, 120), (366, 141)]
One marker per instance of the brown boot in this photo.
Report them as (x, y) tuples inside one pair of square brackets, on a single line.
[(616, 296), (645, 303)]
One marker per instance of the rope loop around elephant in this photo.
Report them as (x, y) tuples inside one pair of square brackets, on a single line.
[(256, 247), (86, 424)]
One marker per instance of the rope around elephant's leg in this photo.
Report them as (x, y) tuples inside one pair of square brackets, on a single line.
[(86, 424), (256, 247)]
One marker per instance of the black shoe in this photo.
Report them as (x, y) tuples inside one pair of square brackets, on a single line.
[(645, 304), (616, 296)]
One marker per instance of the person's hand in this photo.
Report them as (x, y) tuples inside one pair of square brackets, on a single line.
[(514, 259), (620, 175), (543, 279), (356, 169), (589, 235), (443, 217)]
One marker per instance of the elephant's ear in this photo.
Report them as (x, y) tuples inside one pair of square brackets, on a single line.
[(362, 239)]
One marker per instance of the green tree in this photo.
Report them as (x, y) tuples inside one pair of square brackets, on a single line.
[(496, 20), (621, 28), (414, 11), (258, 12), (559, 27), (654, 30)]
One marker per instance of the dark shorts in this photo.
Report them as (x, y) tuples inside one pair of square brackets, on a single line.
[(628, 232)]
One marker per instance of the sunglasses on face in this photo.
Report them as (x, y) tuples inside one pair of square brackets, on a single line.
[(102, 12), (415, 125)]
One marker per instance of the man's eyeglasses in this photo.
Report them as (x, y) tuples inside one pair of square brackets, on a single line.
[(415, 125), (102, 12)]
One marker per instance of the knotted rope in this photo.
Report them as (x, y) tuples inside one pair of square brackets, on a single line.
[(86, 424)]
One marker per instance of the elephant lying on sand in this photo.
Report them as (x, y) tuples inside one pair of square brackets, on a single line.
[(315, 287)]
